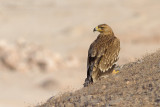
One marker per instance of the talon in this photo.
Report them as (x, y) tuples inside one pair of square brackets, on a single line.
[(114, 72)]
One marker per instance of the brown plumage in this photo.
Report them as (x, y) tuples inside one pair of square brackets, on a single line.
[(102, 54)]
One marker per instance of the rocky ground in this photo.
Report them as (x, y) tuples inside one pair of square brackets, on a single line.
[(136, 85)]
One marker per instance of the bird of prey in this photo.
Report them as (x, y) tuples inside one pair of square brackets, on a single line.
[(102, 54)]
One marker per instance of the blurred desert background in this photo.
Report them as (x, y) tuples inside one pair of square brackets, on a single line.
[(44, 43)]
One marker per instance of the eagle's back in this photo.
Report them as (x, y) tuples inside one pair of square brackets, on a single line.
[(102, 55)]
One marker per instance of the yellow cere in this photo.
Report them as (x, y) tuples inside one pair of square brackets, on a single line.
[(98, 29)]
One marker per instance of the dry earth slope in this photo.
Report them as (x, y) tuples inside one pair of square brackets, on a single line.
[(137, 84)]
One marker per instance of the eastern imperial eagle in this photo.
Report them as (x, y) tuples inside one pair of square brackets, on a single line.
[(102, 54)]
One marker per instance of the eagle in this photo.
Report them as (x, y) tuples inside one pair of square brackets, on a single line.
[(102, 54)]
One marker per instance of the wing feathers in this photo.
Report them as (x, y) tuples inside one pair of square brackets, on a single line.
[(105, 53)]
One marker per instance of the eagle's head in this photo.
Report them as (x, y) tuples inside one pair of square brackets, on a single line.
[(103, 28)]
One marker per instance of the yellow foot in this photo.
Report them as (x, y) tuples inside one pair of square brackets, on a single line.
[(114, 72)]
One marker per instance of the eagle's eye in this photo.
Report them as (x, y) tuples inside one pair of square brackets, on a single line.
[(101, 28)]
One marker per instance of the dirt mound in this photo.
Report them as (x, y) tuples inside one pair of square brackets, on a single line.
[(136, 85)]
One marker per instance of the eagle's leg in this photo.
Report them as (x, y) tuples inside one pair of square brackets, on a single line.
[(116, 69), (115, 72), (95, 75)]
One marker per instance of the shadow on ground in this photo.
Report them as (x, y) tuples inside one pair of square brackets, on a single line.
[(137, 85)]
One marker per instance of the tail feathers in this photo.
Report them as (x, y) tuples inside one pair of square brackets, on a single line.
[(89, 79)]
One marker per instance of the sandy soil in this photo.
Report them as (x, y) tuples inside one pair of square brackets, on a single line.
[(63, 29), (137, 85)]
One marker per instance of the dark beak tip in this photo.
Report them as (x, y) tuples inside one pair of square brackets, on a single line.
[(94, 29)]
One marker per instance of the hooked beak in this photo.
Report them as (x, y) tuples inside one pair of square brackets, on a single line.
[(95, 29)]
